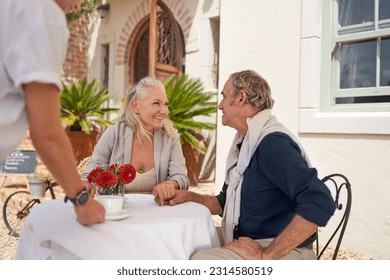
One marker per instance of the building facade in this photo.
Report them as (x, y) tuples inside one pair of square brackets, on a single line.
[(328, 69)]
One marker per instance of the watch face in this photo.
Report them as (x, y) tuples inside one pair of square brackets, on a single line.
[(83, 198)]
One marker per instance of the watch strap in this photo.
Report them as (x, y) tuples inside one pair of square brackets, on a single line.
[(76, 201)]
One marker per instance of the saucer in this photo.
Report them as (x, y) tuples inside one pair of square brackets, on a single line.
[(123, 214)]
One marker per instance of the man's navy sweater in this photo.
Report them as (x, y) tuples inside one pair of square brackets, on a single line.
[(277, 185)]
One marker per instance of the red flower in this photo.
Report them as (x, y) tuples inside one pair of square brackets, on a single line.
[(127, 174), (92, 176), (116, 173), (115, 168), (106, 179)]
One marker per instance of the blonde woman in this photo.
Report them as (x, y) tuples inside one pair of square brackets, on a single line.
[(145, 138)]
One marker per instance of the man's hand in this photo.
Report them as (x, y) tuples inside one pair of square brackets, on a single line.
[(164, 191), (247, 248), (92, 212), (180, 197)]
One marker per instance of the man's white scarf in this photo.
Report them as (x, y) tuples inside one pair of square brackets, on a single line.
[(259, 126)]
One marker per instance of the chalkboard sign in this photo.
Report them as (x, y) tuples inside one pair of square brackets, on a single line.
[(20, 162)]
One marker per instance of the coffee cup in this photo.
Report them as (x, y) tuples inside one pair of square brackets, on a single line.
[(112, 203)]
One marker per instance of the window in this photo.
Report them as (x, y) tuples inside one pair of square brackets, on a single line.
[(345, 67), (105, 63), (360, 54)]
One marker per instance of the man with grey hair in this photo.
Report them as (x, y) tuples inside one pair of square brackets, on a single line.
[(33, 44), (272, 200)]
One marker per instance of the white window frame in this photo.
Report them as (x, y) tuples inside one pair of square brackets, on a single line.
[(316, 115)]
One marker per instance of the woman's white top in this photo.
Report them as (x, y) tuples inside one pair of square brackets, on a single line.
[(115, 146), (143, 182)]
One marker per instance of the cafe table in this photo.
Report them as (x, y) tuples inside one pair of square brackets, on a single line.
[(141, 231)]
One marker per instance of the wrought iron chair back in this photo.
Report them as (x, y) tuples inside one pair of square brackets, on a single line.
[(340, 183)]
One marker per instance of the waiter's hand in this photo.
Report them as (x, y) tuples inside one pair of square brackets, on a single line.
[(90, 213)]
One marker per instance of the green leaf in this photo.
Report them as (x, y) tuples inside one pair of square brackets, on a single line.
[(87, 7), (82, 105), (187, 100)]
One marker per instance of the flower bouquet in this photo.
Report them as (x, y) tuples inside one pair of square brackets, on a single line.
[(111, 181)]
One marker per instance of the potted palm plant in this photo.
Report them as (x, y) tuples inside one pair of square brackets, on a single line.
[(188, 102), (83, 114)]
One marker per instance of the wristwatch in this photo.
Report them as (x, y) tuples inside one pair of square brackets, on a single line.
[(80, 199)]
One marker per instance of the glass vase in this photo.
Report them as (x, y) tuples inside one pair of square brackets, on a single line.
[(117, 189)]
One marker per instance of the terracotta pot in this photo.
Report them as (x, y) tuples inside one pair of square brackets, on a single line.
[(82, 143), (191, 156)]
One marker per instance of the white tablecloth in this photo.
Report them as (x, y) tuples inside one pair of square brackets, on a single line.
[(151, 232)]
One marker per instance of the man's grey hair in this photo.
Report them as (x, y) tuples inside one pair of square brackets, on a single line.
[(256, 87)]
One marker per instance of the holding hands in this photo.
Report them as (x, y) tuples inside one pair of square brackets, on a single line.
[(164, 191), (180, 196)]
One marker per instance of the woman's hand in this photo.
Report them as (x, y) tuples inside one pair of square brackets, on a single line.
[(164, 191)]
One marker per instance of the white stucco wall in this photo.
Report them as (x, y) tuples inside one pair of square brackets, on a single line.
[(108, 30), (268, 46)]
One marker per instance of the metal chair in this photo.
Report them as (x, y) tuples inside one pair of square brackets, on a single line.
[(340, 183)]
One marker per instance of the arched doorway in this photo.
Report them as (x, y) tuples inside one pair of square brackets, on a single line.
[(169, 47)]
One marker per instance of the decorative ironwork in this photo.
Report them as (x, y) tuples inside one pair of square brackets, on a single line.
[(166, 39), (141, 60)]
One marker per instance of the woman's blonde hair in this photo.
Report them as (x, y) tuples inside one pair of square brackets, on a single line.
[(132, 119)]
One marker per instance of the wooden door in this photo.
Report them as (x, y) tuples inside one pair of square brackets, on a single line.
[(169, 48)]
